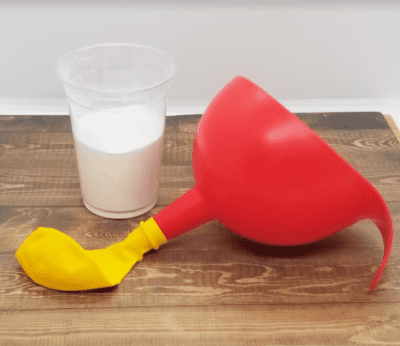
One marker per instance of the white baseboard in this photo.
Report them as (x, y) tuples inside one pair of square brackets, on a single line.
[(59, 106)]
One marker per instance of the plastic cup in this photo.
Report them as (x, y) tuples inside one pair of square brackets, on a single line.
[(117, 100)]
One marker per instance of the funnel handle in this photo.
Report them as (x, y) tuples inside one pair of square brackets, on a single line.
[(185, 213), (383, 222)]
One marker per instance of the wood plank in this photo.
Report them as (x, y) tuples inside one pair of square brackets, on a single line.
[(17, 143), (36, 123), (224, 277), (344, 120), (258, 325), (318, 121), (188, 123), (93, 231), (55, 186), (46, 123)]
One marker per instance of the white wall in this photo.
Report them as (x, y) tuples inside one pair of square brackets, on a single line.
[(293, 51)]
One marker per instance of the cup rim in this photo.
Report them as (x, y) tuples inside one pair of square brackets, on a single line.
[(61, 70)]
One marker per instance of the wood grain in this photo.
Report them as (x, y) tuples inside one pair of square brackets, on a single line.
[(258, 325), (200, 278), (208, 286)]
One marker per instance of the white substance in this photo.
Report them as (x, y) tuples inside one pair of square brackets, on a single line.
[(119, 157)]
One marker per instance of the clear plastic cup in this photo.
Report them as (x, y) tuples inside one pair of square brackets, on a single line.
[(117, 100)]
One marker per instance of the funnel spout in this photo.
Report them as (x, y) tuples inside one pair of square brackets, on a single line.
[(187, 212)]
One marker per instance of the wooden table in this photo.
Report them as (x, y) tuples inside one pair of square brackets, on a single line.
[(208, 286)]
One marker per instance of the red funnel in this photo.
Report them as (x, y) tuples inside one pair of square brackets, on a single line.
[(265, 175)]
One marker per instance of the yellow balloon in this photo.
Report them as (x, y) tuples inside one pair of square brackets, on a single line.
[(55, 260)]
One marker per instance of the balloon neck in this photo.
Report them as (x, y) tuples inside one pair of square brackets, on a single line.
[(186, 213)]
